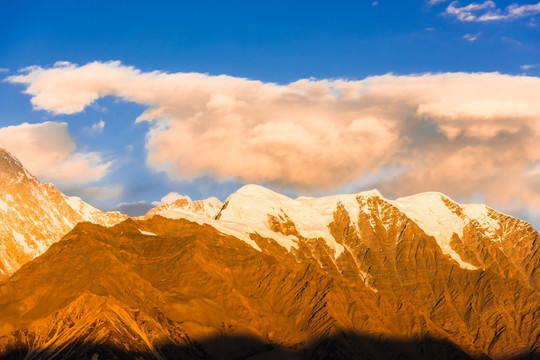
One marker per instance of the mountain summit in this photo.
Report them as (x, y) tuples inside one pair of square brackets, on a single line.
[(267, 276), (35, 215)]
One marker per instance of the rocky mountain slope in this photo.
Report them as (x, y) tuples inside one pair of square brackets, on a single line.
[(35, 215), (348, 276)]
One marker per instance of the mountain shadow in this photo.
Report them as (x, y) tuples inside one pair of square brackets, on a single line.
[(346, 345)]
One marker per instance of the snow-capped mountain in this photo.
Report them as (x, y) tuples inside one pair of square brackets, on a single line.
[(254, 211), (267, 276), (338, 277), (35, 215), (207, 208)]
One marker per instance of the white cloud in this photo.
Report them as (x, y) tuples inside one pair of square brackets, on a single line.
[(529, 66), (459, 133), (97, 128), (375, 3), (435, 2), (48, 151), (488, 11), (471, 37), (511, 41), (4, 70), (61, 63)]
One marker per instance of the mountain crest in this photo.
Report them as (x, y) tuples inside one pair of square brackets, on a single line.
[(35, 215)]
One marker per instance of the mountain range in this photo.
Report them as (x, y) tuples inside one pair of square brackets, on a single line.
[(354, 276)]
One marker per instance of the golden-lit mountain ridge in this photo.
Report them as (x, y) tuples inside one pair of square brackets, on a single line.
[(164, 288), (265, 276)]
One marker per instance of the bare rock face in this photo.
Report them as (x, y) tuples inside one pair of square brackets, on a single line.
[(35, 215), (342, 277)]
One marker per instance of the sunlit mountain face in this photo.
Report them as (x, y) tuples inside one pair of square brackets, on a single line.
[(264, 276)]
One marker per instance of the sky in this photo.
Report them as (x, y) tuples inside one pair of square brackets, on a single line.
[(126, 103)]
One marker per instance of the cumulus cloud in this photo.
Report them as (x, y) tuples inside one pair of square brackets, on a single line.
[(488, 11), (48, 151), (459, 133)]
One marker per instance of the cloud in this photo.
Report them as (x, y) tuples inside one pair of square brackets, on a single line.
[(471, 37), (48, 151), (511, 41), (4, 70), (488, 11), (460, 133), (529, 66), (170, 197), (97, 194), (435, 2), (97, 128)]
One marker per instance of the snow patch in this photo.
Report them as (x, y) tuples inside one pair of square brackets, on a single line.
[(3, 206), (147, 233), (480, 213), (252, 204), (429, 211), (229, 228), (19, 238), (86, 211), (209, 207)]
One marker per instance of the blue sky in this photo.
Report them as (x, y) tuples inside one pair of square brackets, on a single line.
[(271, 42)]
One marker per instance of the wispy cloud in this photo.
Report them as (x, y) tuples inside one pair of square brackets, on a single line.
[(459, 133), (509, 40), (529, 66), (4, 70), (471, 37), (488, 11), (92, 193), (435, 2)]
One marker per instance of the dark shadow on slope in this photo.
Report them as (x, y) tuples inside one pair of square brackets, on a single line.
[(342, 346)]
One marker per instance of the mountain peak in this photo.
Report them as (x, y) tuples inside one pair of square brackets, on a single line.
[(255, 191), (35, 215), (11, 169)]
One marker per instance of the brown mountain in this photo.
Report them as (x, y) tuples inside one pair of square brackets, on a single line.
[(349, 276), (35, 215)]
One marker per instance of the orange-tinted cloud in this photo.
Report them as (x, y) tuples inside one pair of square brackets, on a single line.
[(48, 151), (460, 133)]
